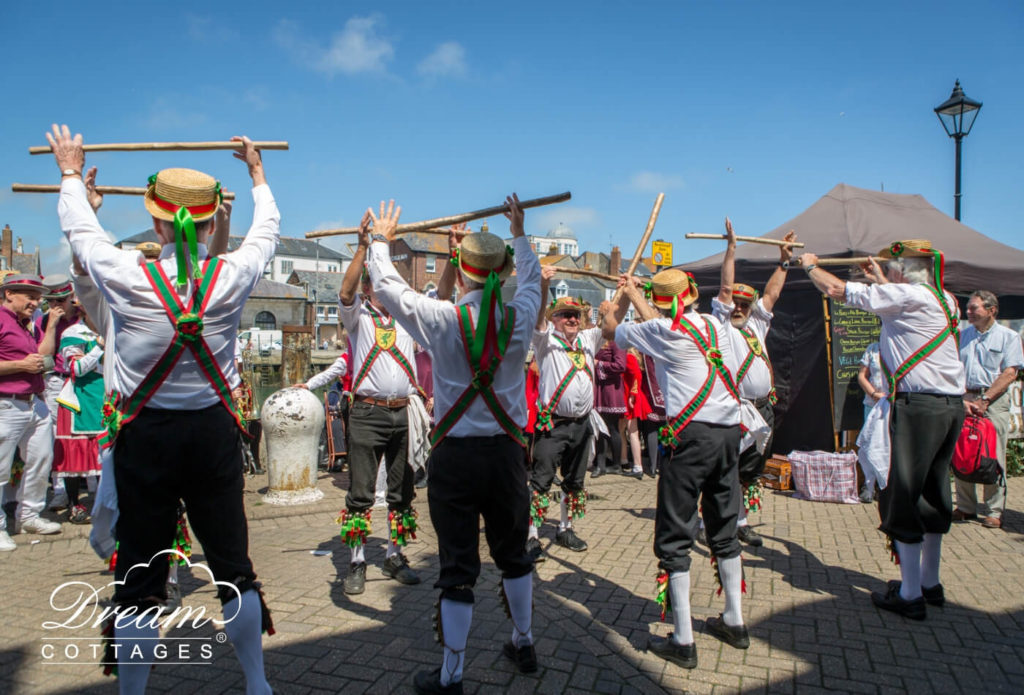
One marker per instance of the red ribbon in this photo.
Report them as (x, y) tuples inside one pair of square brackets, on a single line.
[(173, 207)]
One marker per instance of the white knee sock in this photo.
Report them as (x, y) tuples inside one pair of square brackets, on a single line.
[(244, 628), (358, 555), (910, 569), (92, 482), (136, 653), (679, 593), (931, 556), (731, 572), (58, 483), (172, 573), (742, 520), (701, 521), (519, 592), (456, 617), (532, 532), (392, 549), (566, 522)]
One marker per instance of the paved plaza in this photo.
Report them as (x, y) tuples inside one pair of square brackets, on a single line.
[(813, 628)]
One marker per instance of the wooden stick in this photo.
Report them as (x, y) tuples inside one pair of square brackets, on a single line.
[(854, 260), (585, 271), (105, 190), (749, 239), (642, 245), (169, 146), (454, 219)]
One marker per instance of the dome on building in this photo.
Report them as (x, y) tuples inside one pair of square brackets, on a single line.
[(562, 232)]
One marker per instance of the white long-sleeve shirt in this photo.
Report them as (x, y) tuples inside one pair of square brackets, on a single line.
[(335, 371), (434, 324), (142, 325), (757, 383), (554, 363)]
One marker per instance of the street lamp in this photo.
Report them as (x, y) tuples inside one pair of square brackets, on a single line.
[(957, 115)]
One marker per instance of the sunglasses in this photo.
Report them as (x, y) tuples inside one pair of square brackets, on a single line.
[(566, 315)]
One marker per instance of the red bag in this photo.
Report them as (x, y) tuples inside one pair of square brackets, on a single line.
[(974, 460)]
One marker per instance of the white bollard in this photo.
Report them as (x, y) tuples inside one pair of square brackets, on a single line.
[(292, 421)]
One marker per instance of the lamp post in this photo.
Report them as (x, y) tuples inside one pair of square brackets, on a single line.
[(957, 115)]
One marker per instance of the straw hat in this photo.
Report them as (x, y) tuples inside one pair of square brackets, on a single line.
[(483, 252), (149, 249), (564, 304), (672, 283), (908, 248), (173, 188), (744, 292), (21, 281), (58, 286)]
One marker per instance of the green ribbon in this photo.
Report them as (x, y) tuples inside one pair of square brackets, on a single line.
[(491, 299), (185, 231)]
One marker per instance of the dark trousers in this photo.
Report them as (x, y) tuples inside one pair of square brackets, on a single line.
[(649, 434), (164, 456), (609, 448), (751, 461), (375, 431), (702, 463), (916, 500), (562, 448), (472, 477)]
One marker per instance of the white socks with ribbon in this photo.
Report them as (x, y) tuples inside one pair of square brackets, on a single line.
[(519, 593), (456, 617), (679, 594), (910, 569), (563, 507), (244, 627), (931, 557), (392, 550), (731, 573), (358, 554)]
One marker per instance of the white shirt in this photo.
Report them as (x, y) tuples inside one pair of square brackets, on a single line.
[(872, 359), (386, 378), (680, 366), (757, 382), (911, 316), (553, 362), (434, 324), (142, 325), (335, 371), (986, 355)]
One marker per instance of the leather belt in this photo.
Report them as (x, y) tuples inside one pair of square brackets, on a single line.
[(19, 396), (393, 403)]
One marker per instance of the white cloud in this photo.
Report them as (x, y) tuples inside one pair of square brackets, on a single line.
[(357, 48), (574, 217), (654, 182), (447, 60), (55, 259)]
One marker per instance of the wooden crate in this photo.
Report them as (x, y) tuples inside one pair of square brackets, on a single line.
[(778, 474)]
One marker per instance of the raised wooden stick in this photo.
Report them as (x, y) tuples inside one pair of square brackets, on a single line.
[(642, 246), (585, 271), (454, 219), (854, 260), (105, 190), (749, 239), (168, 146)]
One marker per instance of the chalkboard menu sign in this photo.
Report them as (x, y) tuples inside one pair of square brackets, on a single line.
[(852, 330)]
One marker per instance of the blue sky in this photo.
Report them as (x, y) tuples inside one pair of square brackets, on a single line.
[(748, 109)]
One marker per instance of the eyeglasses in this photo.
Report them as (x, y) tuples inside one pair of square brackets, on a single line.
[(566, 315)]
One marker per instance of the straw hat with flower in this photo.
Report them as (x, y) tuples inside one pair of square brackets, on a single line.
[(482, 253), (564, 304), (672, 288), (908, 248), (744, 292), (183, 196)]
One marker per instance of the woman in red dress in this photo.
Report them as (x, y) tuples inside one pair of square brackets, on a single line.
[(637, 409)]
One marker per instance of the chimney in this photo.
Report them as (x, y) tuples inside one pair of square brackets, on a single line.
[(20, 249), (5, 245), (615, 261)]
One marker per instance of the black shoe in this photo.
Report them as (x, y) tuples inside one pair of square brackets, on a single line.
[(598, 472), (749, 536), (534, 550), (867, 494), (429, 683), (733, 636), (355, 582), (636, 475), (525, 657), (934, 596), (892, 601), (684, 655), (397, 567), (569, 539)]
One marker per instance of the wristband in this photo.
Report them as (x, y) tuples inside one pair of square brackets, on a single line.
[(809, 268), (70, 172), (784, 265), (379, 237)]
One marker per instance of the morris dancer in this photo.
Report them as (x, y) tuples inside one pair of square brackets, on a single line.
[(747, 319), (478, 464), (378, 424), (171, 421), (921, 361), (695, 364), (565, 356), (60, 297)]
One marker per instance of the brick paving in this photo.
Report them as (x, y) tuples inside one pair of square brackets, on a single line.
[(812, 624)]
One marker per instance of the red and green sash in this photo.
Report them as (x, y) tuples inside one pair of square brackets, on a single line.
[(485, 350), (118, 411), (385, 341), (669, 432), (921, 354), (544, 414), (755, 350)]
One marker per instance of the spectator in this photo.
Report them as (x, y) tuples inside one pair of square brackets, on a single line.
[(872, 380)]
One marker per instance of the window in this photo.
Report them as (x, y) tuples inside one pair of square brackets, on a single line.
[(562, 289), (319, 313), (431, 264), (286, 267), (265, 321), (332, 312)]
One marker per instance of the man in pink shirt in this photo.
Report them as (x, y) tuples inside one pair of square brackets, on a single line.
[(24, 417)]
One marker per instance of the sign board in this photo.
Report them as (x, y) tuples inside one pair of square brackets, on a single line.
[(852, 330), (661, 252)]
